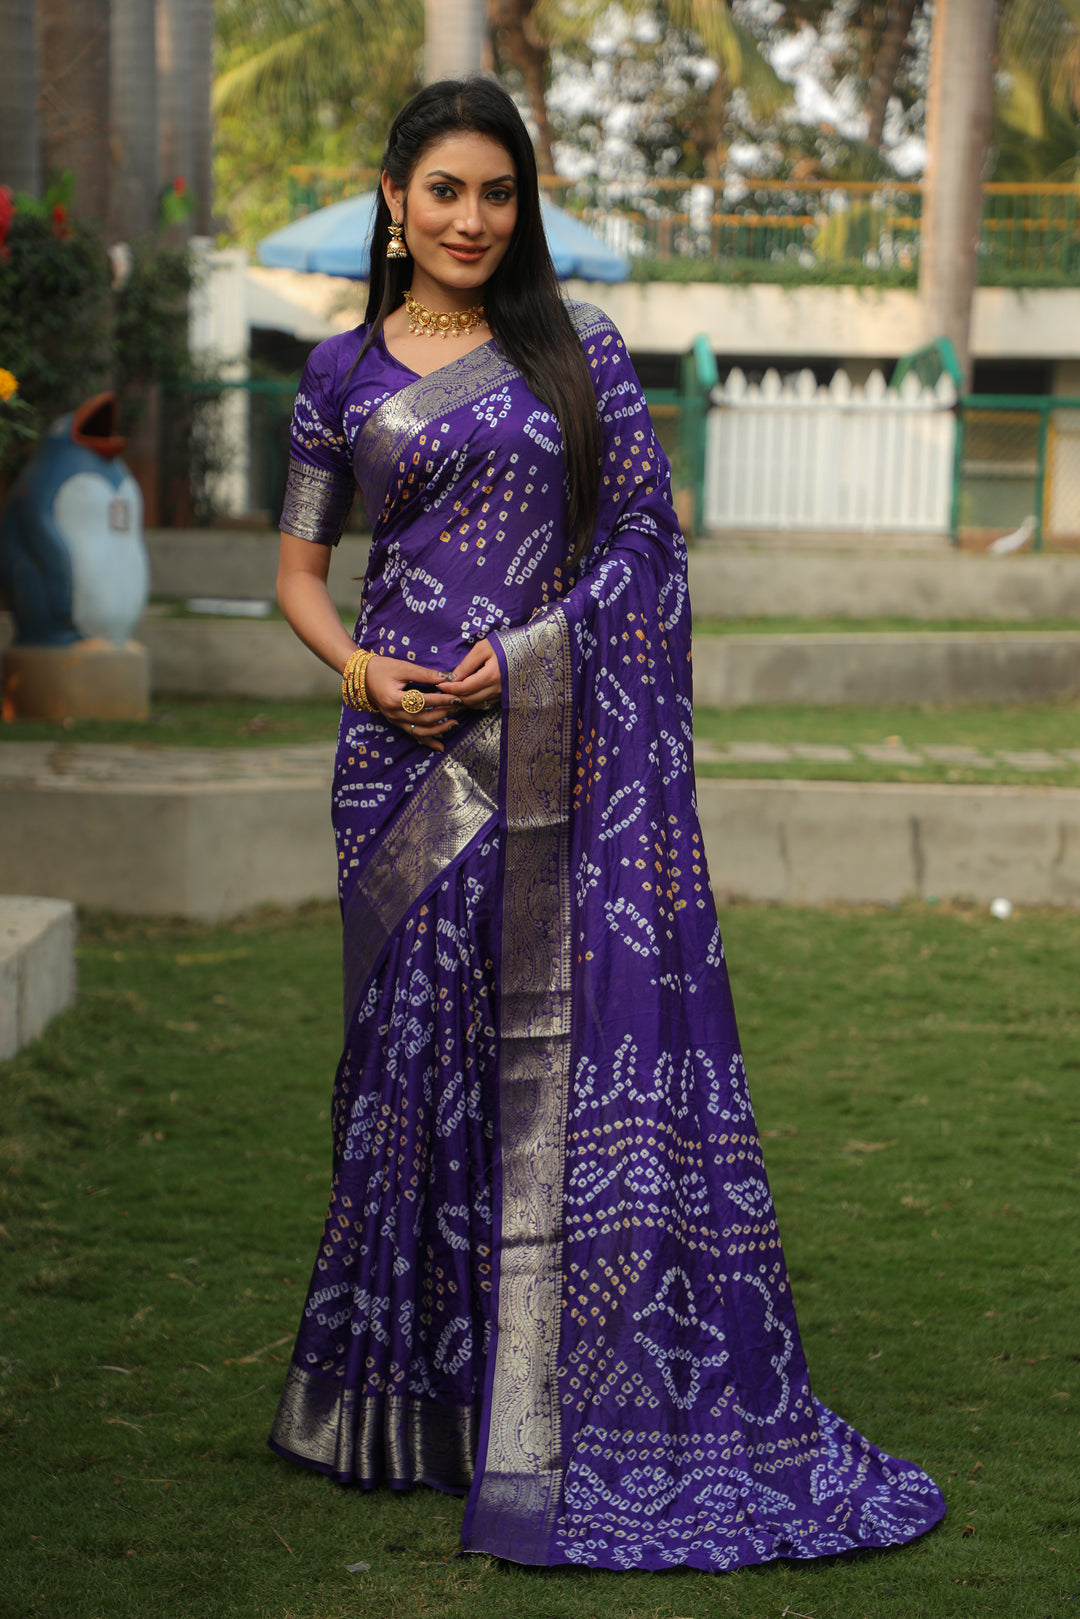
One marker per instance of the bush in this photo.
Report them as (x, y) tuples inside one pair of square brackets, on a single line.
[(66, 332)]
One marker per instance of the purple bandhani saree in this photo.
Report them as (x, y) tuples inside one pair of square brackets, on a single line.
[(550, 1276)]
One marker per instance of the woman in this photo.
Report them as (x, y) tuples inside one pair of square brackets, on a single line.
[(550, 1275)]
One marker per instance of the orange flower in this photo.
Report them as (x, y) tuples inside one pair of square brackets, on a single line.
[(9, 385)]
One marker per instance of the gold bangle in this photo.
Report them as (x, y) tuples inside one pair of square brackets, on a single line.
[(354, 682), (364, 701)]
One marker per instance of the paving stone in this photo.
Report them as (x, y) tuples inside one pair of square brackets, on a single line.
[(827, 752), (1031, 759), (138, 765), (884, 753), (952, 754), (757, 753)]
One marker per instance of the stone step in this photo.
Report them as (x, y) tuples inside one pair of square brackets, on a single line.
[(728, 578), (245, 658), (262, 659), (826, 842), (733, 580), (230, 562), (211, 833), (37, 962), (867, 670), (196, 832)]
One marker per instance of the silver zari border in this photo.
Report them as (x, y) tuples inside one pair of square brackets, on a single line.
[(391, 428), (450, 807), (520, 1493)]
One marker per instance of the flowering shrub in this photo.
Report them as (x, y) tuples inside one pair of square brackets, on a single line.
[(15, 415), (66, 331)]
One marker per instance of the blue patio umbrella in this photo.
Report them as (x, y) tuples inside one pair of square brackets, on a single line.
[(336, 241)]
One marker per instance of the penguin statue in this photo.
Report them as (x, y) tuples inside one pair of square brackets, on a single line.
[(75, 575)]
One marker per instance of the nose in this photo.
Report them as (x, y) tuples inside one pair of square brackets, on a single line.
[(469, 221)]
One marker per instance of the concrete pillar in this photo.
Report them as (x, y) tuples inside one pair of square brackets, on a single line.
[(133, 179), (20, 154), (960, 106), (176, 88), (73, 98), (453, 38)]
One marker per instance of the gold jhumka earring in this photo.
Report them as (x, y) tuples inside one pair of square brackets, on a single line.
[(395, 247)]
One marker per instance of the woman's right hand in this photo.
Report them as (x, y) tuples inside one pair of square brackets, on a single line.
[(386, 681)]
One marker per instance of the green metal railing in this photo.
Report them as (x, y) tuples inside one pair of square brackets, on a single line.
[(195, 442), (1017, 467), (1026, 231), (928, 364)]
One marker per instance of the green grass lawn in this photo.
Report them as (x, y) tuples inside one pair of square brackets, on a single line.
[(878, 626), (165, 1163), (196, 722), (1014, 728)]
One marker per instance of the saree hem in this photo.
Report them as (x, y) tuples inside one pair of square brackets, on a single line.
[(397, 1440)]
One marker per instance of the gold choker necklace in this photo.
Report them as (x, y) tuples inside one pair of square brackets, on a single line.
[(427, 322)]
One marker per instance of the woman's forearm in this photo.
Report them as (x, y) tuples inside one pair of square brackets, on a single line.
[(305, 602)]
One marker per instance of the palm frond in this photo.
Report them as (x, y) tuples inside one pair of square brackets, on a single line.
[(734, 49), (1040, 39), (322, 53)]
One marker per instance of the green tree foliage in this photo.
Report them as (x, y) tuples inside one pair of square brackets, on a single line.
[(658, 86), (66, 333), (1037, 129), (304, 82)]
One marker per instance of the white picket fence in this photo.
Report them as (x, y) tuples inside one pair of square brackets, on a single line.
[(795, 455)]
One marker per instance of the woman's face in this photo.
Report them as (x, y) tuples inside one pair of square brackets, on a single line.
[(459, 212)]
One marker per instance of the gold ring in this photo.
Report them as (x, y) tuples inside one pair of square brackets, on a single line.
[(413, 702)]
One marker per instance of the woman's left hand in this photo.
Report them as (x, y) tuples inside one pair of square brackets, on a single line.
[(477, 680)]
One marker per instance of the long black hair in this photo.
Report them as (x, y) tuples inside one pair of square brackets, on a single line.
[(522, 301)]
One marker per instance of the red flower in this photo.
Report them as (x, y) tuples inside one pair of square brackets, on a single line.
[(59, 222), (7, 214), (179, 185)]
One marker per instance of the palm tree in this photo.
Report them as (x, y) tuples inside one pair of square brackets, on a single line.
[(1038, 134), (453, 38), (523, 43), (524, 31), (959, 115), (899, 15), (741, 64), (296, 58), (20, 162), (133, 180), (184, 46), (73, 109)]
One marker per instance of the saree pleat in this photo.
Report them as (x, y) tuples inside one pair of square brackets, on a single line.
[(386, 1376), (551, 1273)]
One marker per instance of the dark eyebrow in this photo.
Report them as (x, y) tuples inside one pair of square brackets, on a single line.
[(500, 179)]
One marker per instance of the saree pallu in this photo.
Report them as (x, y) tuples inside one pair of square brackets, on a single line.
[(551, 1274)]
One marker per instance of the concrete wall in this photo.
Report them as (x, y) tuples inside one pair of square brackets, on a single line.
[(213, 657), (730, 580), (37, 965), (230, 562), (236, 658), (815, 843), (739, 671), (831, 322), (198, 850), (211, 852)]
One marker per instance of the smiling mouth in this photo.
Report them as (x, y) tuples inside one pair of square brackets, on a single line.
[(466, 254)]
